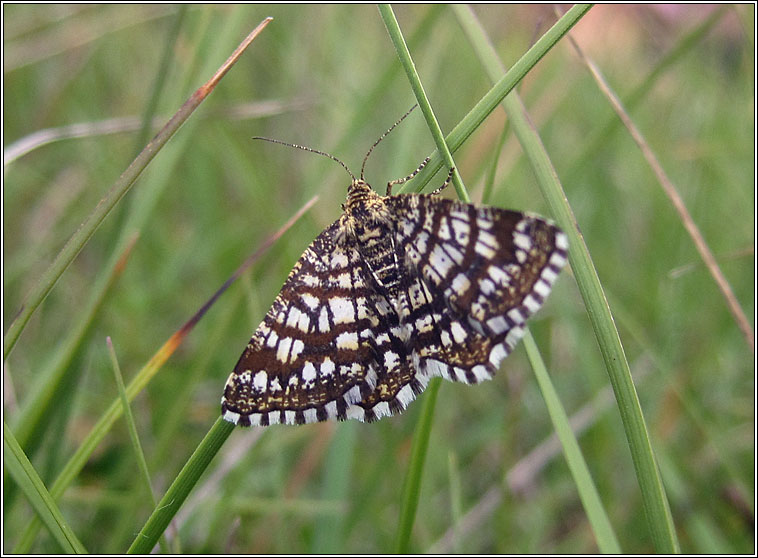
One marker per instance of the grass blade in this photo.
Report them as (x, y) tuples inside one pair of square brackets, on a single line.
[(132, 427), (393, 28), (118, 190), (497, 93), (593, 506), (673, 194), (411, 487), (143, 377), (181, 487), (28, 480), (412, 483), (601, 525), (656, 505)]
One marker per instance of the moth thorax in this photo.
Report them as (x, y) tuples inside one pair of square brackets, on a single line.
[(361, 199)]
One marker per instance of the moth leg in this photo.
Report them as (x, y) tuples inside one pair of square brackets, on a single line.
[(445, 184), (407, 178)]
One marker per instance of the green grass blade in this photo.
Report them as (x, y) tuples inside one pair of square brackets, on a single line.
[(29, 423), (411, 489), (593, 506), (412, 483), (133, 435), (601, 525), (497, 93), (181, 487), (656, 505), (393, 28), (77, 241), (23, 472)]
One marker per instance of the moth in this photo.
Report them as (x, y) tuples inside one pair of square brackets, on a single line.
[(398, 290)]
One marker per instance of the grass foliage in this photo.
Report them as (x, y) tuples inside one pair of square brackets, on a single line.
[(493, 478)]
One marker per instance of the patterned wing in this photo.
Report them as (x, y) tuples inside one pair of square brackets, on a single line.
[(306, 361), (397, 379), (482, 272), (326, 342)]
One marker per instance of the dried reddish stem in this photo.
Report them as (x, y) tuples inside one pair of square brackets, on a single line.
[(676, 199)]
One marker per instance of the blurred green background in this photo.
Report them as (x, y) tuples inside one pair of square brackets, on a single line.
[(328, 77)]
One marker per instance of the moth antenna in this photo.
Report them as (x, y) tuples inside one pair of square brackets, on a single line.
[(383, 136), (304, 148)]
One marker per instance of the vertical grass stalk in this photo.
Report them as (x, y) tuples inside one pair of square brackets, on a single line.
[(396, 35), (656, 506), (412, 482), (133, 435)]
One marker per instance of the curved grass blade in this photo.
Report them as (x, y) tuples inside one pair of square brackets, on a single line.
[(26, 477), (656, 506), (676, 200), (118, 190), (143, 377), (497, 93)]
